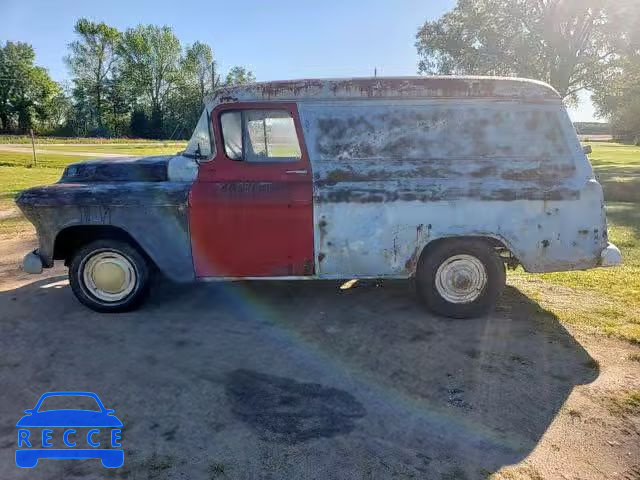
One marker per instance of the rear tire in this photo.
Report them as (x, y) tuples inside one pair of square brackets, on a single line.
[(460, 278), (109, 276)]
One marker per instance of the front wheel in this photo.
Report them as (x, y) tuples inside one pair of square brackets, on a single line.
[(460, 278), (109, 276)]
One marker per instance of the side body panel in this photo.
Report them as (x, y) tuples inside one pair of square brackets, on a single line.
[(392, 175), (154, 214), (252, 219)]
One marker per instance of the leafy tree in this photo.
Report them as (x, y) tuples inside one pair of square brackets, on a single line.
[(120, 99), (571, 44), (199, 69), (33, 98), (139, 123), (239, 76), (620, 100), (26, 90), (198, 79), (58, 109), (151, 58), (92, 61), (81, 121), (139, 82)]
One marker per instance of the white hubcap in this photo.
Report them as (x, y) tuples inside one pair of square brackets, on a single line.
[(109, 276), (461, 279)]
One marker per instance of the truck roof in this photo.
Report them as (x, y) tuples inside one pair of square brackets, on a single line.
[(387, 87)]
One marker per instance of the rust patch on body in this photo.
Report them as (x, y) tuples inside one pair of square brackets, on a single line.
[(414, 153), (322, 234), (432, 193), (389, 87), (488, 171), (411, 264), (351, 175)]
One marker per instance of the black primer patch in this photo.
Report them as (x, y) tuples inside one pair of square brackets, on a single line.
[(286, 411)]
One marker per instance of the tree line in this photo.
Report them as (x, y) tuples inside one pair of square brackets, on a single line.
[(574, 45), (140, 82)]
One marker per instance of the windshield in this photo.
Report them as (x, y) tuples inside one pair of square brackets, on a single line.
[(201, 145)]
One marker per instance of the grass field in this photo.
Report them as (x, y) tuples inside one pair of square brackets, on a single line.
[(52, 159), (13, 179), (71, 140), (602, 300), (125, 148), (605, 300), (45, 161)]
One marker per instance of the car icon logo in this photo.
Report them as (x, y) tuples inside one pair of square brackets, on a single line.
[(93, 425)]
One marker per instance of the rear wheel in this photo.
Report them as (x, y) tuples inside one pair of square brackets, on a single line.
[(109, 276), (460, 278)]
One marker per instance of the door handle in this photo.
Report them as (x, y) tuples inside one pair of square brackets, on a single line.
[(296, 172)]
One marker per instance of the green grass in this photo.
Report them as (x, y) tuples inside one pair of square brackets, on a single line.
[(617, 167), (127, 149), (45, 160), (51, 159), (606, 300), (71, 140), (13, 179)]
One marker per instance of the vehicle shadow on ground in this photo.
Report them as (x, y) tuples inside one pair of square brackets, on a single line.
[(293, 380)]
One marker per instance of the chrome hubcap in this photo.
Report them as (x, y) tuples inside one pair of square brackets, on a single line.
[(461, 279), (109, 276)]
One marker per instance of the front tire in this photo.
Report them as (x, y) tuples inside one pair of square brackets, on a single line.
[(109, 276), (460, 278)]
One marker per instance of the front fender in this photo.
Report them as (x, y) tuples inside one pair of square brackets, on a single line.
[(154, 215)]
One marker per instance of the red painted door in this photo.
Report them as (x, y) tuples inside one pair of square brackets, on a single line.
[(251, 206)]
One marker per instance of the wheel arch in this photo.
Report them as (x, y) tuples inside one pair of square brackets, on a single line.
[(70, 239), (495, 241)]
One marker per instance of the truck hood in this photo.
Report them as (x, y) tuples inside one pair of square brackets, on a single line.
[(137, 169), (150, 181)]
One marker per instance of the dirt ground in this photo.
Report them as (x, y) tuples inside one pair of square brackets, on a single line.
[(304, 380)]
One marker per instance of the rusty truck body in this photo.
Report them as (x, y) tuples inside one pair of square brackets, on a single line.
[(440, 179)]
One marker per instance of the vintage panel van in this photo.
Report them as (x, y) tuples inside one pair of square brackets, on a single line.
[(444, 180)]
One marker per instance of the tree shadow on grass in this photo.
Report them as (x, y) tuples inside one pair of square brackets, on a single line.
[(625, 215), (343, 383), (620, 184)]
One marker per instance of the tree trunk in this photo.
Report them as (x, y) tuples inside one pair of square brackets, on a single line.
[(99, 94), (24, 120), (4, 120)]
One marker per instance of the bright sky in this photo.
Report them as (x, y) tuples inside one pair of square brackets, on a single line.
[(277, 39)]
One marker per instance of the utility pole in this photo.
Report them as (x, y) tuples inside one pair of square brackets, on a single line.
[(375, 71)]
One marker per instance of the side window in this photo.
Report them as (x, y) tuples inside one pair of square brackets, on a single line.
[(260, 136), (232, 132)]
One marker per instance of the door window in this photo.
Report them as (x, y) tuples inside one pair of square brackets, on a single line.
[(260, 136), (232, 131)]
